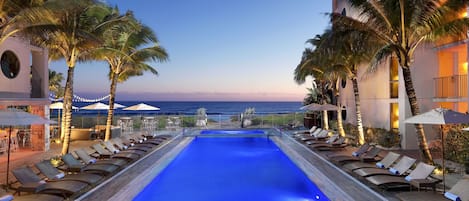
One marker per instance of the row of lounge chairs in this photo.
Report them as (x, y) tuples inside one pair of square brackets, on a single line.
[(395, 170), (82, 169), (320, 139), (391, 171)]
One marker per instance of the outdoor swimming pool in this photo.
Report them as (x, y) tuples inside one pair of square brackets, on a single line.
[(232, 132), (231, 169)]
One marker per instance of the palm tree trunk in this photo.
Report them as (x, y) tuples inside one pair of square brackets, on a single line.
[(414, 107), (110, 114), (340, 126), (67, 113), (361, 135), (325, 120)]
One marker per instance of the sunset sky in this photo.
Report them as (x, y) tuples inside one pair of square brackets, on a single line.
[(220, 50)]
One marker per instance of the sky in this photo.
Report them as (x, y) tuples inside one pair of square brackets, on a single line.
[(219, 50)]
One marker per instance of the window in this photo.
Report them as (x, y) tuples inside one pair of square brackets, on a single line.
[(393, 78), (343, 83), (344, 12), (394, 116), (10, 64)]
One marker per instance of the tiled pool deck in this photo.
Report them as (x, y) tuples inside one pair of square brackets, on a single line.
[(335, 183)]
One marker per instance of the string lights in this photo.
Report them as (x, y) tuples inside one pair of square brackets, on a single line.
[(77, 98)]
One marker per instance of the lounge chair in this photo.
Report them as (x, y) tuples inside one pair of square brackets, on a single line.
[(118, 142), (386, 162), (85, 157), (458, 192), (53, 174), (337, 144), (361, 150), (31, 197), (370, 155), (400, 168), (31, 182), (422, 171), (136, 139), (74, 165), (127, 156), (305, 132), (110, 146), (319, 135), (322, 138)]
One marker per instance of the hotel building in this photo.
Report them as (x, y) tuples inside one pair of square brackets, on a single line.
[(440, 78), (24, 84)]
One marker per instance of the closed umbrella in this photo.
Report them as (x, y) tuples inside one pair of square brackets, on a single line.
[(440, 116), (14, 117)]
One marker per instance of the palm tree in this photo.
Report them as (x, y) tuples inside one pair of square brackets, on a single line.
[(338, 55), (79, 24), (127, 47), (311, 64), (402, 26), (16, 15), (55, 83)]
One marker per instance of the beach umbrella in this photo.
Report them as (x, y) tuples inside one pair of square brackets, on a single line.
[(59, 106), (439, 116), (141, 107), (14, 117), (96, 106)]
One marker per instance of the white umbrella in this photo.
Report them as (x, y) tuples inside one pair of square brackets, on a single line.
[(141, 107), (96, 106), (59, 106), (14, 117), (440, 116), (117, 105)]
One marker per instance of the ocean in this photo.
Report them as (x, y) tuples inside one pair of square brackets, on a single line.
[(190, 108)]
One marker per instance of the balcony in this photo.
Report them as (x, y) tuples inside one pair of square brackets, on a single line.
[(451, 87)]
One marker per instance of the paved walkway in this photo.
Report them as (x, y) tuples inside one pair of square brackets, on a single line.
[(27, 157)]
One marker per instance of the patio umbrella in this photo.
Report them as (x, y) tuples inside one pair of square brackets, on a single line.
[(117, 106), (15, 117), (321, 107), (59, 106), (440, 116), (141, 107), (96, 106)]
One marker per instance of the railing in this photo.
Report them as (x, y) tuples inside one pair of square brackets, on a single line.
[(178, 122), (451, 87)]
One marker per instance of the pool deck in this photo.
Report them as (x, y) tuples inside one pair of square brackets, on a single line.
[(130, 181), (332, 181)]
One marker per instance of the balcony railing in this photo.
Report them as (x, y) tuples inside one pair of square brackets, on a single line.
[(451, 86)]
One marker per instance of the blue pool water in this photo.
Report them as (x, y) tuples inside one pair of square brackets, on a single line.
[(232, 132), (231, 169)]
